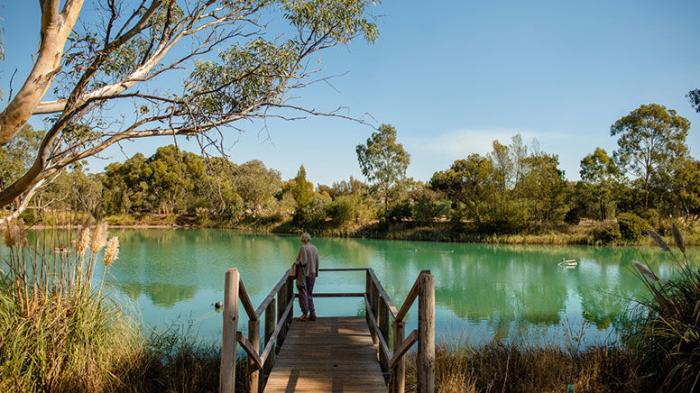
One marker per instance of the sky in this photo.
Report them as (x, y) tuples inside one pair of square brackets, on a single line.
[(452, 76)]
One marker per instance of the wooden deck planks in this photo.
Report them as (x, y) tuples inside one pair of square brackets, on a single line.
[(333, 354)]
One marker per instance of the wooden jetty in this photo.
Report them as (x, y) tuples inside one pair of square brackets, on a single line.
[(332, 354)]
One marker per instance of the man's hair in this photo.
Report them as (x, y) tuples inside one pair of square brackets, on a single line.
[(305, 237)]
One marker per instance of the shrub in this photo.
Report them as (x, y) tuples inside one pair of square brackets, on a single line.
[(632, 227), (341, 211), (400, 211), (666, 330), (609, 233)]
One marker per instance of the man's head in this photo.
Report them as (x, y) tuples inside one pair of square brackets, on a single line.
[(305, 237)]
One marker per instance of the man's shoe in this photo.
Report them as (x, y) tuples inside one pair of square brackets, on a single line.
[(312, 317), (303, 318)]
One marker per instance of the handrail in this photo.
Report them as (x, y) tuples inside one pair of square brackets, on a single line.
[(382, 293), (271, 295), (378, 311), (379, 308)]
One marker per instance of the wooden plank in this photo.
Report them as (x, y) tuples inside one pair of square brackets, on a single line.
[(227, 374), (327, 355)]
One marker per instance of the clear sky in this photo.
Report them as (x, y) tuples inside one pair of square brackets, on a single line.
[(451, 76)]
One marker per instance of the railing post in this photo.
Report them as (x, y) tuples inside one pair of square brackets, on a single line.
[(253, 370), (426, 334), (270, 320), (398, 374), (227, 373), (281, 306), (370, 300), (290, 298), (383, 316)]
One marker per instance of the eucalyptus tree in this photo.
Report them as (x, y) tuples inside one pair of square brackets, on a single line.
[(384, 161), (651, 139), (473, 182), (129, 69), (600, 175)]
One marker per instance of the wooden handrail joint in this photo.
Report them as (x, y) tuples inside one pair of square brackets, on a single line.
[(249, 349)]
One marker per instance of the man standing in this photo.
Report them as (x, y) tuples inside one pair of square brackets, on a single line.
[(307, 263)]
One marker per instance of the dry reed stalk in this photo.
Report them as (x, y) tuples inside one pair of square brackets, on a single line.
[(111, 252)]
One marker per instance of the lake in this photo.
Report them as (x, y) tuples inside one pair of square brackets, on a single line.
[(172, 278)]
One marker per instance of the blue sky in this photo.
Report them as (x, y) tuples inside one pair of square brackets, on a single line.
[(451, 76)]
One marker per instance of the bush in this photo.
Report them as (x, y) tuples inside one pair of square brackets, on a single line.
[(666, 330), (632, 227), (606, 234), (400, 211), (341, 211)]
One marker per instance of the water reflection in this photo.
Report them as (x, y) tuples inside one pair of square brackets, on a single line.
[(502, 292)]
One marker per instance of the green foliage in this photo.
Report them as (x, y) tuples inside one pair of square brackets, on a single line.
[(651, 139), (17, 156), (694, 98), (314, 214), (606, 234), (665, 330), (384, 162), (341, 211), (401, 211), (544, 187), (599, 180), (427, 206), (471, 182), (632, 227), (302, 190)]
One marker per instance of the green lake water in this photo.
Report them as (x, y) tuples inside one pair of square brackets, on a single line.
[(172, 278)]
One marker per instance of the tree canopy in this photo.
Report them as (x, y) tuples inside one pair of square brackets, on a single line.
[(650, 140), (384, 162), (93, 64)]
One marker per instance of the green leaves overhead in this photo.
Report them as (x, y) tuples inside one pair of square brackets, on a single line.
[(244, 76), (331, 20)]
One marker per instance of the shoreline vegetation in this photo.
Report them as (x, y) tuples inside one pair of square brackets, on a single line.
[(586, 232), (92, 344)]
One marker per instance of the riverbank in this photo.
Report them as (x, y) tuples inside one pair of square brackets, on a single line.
[(587, 232)]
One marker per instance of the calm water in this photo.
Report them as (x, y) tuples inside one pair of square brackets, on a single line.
[(173, 277)]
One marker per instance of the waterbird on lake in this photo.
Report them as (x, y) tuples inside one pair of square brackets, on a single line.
[(218, 305), (568, 262)]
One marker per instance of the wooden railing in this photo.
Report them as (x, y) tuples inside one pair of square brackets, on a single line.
[(392, 346)]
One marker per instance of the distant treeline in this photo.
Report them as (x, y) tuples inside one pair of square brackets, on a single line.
[(513, 189)]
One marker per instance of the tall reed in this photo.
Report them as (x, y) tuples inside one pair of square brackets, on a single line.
[(666, 329), (57, 331)]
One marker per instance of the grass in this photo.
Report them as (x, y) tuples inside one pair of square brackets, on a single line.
[(499, 367), (60, 333)]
